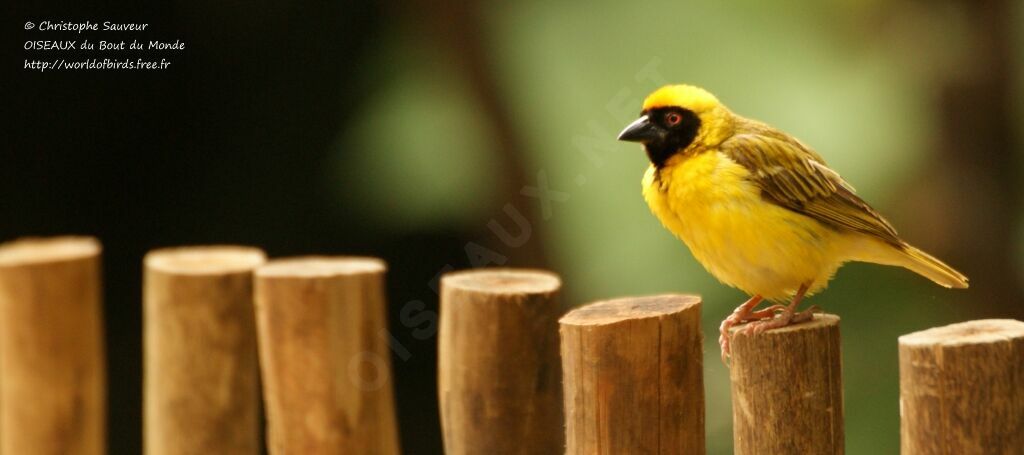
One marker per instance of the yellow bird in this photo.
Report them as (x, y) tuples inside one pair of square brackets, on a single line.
[(759, 209)]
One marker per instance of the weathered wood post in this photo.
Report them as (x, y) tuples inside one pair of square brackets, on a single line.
[(53, 391), (962, 389), (787, 390), (633, 375), (324, 355), (499, 381), (201, 378)]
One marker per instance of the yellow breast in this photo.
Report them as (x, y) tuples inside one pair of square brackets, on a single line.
[(708, 202)]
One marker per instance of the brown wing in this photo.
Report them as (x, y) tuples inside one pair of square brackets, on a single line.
[(796, 178)]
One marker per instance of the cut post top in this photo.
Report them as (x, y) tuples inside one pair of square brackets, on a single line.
[(820, 320), (205, 260), (962, 333), (630, 308), (503, 281), (47, 250), (307, 267)]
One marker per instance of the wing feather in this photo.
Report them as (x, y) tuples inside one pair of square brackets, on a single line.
[(793, 176)]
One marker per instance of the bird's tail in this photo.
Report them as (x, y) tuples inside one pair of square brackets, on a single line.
[(929, 267), (909, 257)]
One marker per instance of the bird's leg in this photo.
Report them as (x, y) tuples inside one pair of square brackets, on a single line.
[(786, 317), (766, 313), (742, 313)]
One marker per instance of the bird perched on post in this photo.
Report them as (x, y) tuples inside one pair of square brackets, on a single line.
[(759, 209)]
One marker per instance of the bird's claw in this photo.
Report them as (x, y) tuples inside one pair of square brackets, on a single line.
[(766, 313), (783, 319), (724, 337), (806, 315), (737, 317)]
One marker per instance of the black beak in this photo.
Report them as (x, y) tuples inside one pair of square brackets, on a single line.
[(641, 130)]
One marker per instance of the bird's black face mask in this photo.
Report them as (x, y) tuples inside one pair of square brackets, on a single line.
[(664, 131)]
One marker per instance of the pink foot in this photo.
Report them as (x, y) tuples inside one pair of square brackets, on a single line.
[(784, 319), (766, 313), (742, 314)]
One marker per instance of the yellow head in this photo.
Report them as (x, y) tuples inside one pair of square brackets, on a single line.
[(692, 98), (676, 118)]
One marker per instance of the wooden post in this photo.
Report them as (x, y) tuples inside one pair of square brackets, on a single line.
[(51, 347), (499, 380), (633, 374), (962, 389), (201, 379), (787, 390), (324, 356)]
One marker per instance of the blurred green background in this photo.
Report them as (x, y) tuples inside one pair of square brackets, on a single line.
[(421, 132), (868, 84)]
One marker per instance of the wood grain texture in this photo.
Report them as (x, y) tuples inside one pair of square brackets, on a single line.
[(499, 378), (201, 392), (324, 355), (633, 376), (53, 391), (787, 390), (962, 389)]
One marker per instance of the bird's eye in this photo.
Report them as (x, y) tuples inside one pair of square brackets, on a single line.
[(673, 119)]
